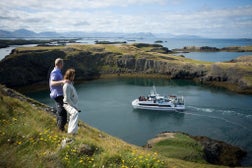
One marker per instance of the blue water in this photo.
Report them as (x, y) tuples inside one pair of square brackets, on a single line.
[(173, 43), (6, 51), (212, 112), (215, 56)]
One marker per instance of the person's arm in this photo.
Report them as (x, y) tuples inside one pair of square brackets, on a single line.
[(56, 83)]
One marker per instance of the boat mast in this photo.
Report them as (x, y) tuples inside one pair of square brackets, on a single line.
[(154, 90)]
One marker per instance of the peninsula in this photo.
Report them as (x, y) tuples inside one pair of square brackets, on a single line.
[(27, 66)]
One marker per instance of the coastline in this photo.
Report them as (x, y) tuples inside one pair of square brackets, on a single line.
[(44, 85), (101, 141), (33, 64), (213, 49)]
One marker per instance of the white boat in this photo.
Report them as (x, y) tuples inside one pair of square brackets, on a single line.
[(154, 101)]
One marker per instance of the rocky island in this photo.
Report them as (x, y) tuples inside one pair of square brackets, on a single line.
[(7, 43), (27, 66), (214, 49)]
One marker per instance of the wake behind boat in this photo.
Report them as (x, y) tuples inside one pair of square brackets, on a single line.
[(154, 101)]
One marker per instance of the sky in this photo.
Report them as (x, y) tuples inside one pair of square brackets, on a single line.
[(206, 18)]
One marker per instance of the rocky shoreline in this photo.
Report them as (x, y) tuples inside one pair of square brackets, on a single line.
[(215, 152), (7, 43), (28, 66), (219, 152), (213, 49)]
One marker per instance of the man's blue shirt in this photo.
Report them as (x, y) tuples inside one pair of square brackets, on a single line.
[(56, 91)]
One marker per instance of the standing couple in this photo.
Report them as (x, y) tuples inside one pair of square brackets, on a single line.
[(65, 96)]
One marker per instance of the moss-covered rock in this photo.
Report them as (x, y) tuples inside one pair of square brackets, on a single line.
[(236, 74), (196, 148)]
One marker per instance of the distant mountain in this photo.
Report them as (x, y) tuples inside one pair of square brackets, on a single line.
[(108, 34), (164, 35), (48, 34), (5, 33), (184, 36), (23, 33)]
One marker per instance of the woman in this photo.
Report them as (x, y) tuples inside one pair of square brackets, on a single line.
[(70, 101)]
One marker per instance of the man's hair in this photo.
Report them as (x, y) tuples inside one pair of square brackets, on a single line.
[(69, 73), (58, 61)]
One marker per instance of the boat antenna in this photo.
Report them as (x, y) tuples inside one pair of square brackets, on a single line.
[(154, 89)]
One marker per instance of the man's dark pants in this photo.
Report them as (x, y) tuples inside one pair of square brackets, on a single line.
[(61, 113)]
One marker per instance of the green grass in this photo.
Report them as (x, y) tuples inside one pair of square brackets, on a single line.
[(248, 80), (180, 147)]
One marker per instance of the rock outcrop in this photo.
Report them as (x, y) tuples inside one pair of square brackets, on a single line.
[(237, 73), (214, 151), (213, 49), (219, 152), (25, 66)]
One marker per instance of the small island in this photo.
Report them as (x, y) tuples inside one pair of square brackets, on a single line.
[(110, 42), (213, 49), (53, 42)]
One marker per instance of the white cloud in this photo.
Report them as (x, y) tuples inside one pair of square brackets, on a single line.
[(75, 4), (211, 20), (96, 15)]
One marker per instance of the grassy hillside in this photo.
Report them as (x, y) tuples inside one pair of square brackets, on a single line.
[(179, 146), (29, 138)]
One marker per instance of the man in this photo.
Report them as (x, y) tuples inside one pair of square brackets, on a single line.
[(56, 83)]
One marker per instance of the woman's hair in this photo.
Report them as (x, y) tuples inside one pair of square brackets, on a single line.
[(69, 74)]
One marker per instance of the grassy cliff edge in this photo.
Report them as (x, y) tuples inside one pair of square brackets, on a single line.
[(27, 66), (29, 138)]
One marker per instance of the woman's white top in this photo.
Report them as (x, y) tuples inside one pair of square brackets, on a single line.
[(70, 95)]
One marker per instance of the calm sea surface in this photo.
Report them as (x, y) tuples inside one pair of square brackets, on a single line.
[(212, 112), (7, 50)]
